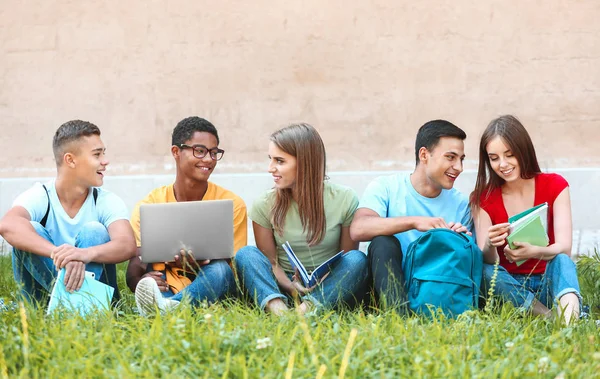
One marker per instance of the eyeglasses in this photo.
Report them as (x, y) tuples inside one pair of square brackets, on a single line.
[(200, 151)]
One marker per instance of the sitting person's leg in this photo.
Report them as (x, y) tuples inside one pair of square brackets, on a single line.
[(256, 277), (512, 289), (560, 287), (94, 234), (213, 282), (385, 263), (34, 273), (346, 283)]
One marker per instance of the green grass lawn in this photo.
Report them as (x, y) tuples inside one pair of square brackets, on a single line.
[(235, 340)]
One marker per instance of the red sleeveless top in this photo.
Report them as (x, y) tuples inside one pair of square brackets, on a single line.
[(547, 189)]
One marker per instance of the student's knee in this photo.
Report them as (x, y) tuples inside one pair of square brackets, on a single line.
[(92, 233), (248, 256), (41, 230), (561, 260), (385, 247), (358, 261), (223, 270), (38, 227)]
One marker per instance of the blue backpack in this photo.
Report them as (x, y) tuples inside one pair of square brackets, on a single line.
[(443, 270)]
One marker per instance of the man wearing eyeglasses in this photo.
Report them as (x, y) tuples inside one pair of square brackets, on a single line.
[(195, 148)]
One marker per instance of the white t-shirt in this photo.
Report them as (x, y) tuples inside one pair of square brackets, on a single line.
[(62, 228)]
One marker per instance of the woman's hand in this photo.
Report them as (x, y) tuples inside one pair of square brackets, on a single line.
[(299, 286), (497, 234), (521, 252)]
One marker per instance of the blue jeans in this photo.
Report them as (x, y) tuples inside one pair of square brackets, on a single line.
[(213, 282), (559, 279), (35, 274), (345, 285)]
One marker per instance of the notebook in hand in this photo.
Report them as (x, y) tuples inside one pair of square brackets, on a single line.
[(530, 226), (92, 295), (313, 278)]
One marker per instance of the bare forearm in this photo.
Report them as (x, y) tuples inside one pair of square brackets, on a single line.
[(282, 280), (135, 270), (490, 254), (367, 228), (549, 252), (23, 236), (116, 251)]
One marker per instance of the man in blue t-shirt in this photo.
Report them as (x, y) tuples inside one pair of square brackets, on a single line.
[(395, 210), (69, 222)]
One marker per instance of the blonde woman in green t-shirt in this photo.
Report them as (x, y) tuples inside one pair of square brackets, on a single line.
[(314, 216)]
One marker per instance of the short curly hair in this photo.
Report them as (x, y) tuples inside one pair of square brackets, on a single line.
[(69, 132), (186, 128)]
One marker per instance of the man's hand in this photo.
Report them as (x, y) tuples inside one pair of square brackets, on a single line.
[(157, 276), (424, 224), (497, 234), (74, 275), (522, 251), (185, 259), (64, 254), (459, 228)]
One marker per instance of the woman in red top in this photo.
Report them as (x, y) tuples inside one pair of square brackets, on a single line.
[(509, 181)]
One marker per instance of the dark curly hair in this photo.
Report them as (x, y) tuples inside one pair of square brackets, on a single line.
[(186, 128)]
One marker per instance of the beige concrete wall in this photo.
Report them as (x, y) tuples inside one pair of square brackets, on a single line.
[(366, 74)]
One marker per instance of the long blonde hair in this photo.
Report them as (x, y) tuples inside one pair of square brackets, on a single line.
[(303, 142)]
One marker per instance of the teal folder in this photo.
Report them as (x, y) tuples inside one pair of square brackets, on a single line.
[(93, 295), (529, 226), (536, 209)]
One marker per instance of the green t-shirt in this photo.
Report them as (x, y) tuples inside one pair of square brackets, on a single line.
[(340, 203)]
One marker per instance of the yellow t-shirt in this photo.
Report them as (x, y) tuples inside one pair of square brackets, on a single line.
[(166, 194)]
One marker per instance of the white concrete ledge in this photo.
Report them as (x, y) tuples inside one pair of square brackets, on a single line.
[(584, 185)]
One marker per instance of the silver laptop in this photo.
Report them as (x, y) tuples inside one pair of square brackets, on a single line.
[(204, 227)]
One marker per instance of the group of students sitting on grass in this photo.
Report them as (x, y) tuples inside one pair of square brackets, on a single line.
[(72, 223)]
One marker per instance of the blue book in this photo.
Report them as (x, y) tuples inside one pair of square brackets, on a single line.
[(314, 277), (93, 295)]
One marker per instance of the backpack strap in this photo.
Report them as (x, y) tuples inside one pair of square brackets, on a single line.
[(45, 218)]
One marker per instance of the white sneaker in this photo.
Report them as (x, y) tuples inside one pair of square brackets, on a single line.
[(148, 298)]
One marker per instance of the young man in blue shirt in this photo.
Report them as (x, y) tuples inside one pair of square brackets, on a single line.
[(69, 222), (395, 210)]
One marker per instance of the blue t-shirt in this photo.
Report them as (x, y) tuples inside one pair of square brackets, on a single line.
[(395, 196), (61, 227)]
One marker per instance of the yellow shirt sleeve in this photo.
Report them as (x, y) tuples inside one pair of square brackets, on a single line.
[(135, 223), (240, 224), (158, 195)]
